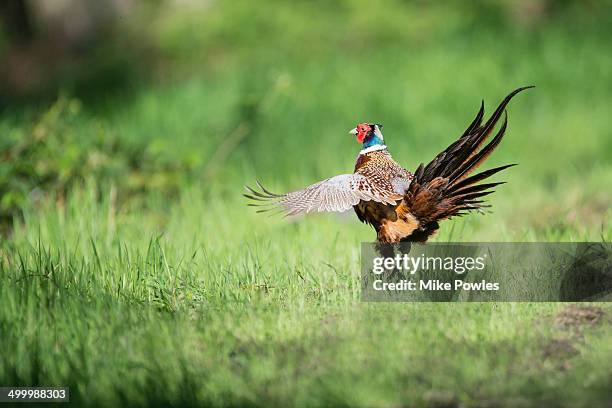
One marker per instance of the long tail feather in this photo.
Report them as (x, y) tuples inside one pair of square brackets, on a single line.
[(444, 187), (479, 177), (478, 158)]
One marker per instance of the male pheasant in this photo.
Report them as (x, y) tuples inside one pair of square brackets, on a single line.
[(400, 205)]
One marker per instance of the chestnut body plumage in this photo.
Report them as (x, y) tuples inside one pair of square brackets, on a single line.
[(400, 205)]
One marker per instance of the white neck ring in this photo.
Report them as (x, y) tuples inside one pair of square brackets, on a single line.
[(374, 148)]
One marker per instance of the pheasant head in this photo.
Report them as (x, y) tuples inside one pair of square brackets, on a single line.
[(369, 135)]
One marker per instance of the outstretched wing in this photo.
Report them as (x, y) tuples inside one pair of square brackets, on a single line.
[(442, 189), (337, 193)]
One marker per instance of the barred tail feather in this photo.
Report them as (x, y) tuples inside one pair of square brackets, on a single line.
[(445, 187)]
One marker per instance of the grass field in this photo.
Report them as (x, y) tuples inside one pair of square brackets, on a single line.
[(152, 283)]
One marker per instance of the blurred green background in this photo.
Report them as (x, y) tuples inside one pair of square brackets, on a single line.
[(156, 96), (127, 132)]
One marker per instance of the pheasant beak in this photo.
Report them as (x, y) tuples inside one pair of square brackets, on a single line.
[(353, 131)]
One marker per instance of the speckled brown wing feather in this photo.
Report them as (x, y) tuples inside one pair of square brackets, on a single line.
[(377, 178), (381, 169), (338, 193)]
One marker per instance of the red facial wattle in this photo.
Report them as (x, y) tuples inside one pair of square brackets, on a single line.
[(362, 131)]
